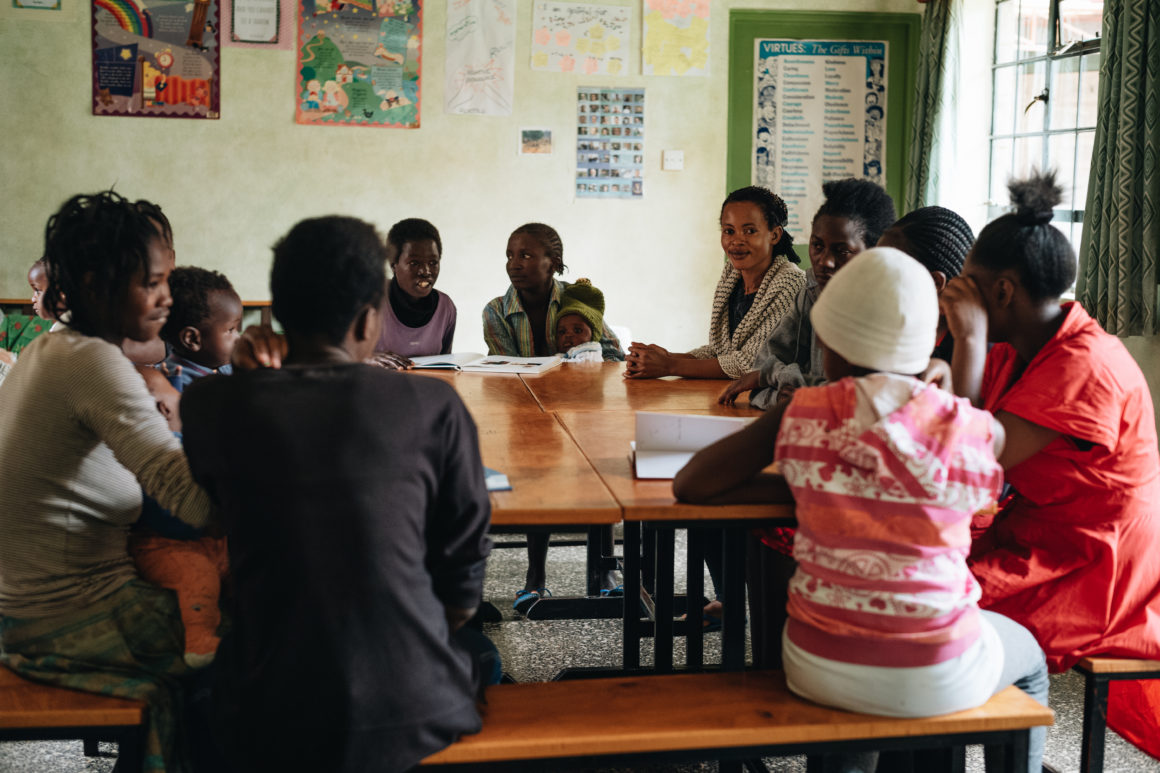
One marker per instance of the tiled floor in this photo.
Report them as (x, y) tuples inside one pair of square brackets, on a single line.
[(537, 650)]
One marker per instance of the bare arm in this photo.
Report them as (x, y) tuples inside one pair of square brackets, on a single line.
[(1024, 439), (962, 304), (652, 361)]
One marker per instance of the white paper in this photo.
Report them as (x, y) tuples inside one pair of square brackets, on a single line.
[(580, 38), (495, 363), (481, 57), (665, 442), (255, 21), (452, 361)]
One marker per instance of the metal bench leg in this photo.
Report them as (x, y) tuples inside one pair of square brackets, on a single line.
[(92, 747), (1095, 723)]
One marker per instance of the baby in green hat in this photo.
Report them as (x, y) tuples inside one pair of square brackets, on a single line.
[(581, 314)]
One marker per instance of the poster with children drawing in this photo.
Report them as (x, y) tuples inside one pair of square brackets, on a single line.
[(609, 143), (156, 58), (581, 38), (481, 57), (359, 62), (819, 114)]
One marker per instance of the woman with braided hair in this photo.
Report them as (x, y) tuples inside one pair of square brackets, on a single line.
[(939, 239), (1072, 554), (756, 289)]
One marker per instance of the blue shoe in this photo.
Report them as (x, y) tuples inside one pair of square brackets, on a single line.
[(526, 599)]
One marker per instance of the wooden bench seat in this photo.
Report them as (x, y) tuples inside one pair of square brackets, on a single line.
[(687, 717), (1098, 672), (35, 712)]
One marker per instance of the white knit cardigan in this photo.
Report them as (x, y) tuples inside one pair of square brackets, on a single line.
[(736, 353)]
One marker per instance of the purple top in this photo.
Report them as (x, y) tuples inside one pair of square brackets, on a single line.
[(432, 338)]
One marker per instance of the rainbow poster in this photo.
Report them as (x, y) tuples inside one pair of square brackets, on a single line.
[(156, 58)]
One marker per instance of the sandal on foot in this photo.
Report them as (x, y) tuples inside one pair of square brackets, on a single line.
[(617, 591), (524, 600)]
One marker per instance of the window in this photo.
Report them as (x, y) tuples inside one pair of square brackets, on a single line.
[(1046, 90)]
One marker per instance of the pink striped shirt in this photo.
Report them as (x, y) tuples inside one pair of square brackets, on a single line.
[(884, 501)]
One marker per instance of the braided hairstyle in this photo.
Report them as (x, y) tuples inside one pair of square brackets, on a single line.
[(154, 213), (95, 246), (412, 229), (864, 203), (190, 288), (1026, 242), (550, 240), (326, 271), (936, 237), (775, 212)]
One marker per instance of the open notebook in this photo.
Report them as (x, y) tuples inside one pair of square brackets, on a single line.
[(665, 442), (494, 363)]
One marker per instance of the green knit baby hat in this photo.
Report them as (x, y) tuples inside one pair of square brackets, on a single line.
[(585, 300)]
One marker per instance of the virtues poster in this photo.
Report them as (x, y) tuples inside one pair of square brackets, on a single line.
[(359, 62), (157, 58)]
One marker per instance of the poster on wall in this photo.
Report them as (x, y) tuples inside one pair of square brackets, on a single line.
[(268, 24), (481, 57), (675, 38), (359, 62), (581, 38), (609, 143), (819, 114), (42, 5), (156, 59)]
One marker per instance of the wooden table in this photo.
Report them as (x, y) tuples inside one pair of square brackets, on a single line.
[(562, 438), (602, 387), (604, 438)]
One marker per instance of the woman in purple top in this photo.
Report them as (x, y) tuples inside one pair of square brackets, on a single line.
[(417, 319)]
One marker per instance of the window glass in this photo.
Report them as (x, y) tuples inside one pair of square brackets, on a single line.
[(1089, 90), (1006, 31), (1031, 80), (1033, 27), (1028, 156), (1064, 92), (1080, 20), (1061, 158), (1084, 143), (1000, 170), (1003, 116)]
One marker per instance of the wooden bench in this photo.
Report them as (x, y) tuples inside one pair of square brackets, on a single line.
[(1098, 672), (724, 716), (38, 712)]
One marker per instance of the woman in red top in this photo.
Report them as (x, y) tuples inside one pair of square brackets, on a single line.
[(1072, 553)]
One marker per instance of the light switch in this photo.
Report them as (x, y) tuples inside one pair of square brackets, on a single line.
[(673, 160)]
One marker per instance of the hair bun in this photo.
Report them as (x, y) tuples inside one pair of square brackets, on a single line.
[(1035, 198)]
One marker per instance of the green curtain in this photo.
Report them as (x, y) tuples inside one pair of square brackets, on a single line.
[(931, 79), (1121, 234)]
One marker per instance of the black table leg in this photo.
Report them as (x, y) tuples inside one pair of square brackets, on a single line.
[(632, 634), (694, 590), (733, 628), (663, 630)]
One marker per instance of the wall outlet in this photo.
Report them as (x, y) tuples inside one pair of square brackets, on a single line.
[(673, 160)]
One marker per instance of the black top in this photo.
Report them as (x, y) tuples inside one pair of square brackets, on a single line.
[(412, 312), (739, 304), (356, 509)]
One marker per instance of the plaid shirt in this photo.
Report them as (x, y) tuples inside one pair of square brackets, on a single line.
[(507, 330)]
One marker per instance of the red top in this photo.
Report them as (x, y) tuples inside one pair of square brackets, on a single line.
[(1073, 556)]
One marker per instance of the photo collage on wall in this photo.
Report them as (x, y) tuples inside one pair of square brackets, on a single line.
[(609, 143)]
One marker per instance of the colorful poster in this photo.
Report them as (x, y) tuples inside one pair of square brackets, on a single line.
[(578, 37), (160, 59), (243, 20), (675, 38), (609, 143), (819, 114), (359, 62), (481, 57)]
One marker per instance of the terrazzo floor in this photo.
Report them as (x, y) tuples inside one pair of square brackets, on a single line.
[(537, 650)]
